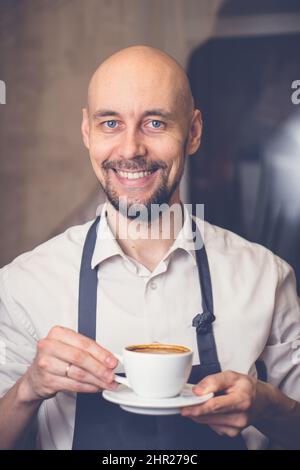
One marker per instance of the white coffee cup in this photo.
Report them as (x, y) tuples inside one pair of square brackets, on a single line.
[(156, 370)]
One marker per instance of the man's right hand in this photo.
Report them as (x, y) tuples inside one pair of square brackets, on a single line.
[(89, 369)]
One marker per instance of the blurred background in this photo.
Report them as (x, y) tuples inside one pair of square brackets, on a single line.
[(242, 57)]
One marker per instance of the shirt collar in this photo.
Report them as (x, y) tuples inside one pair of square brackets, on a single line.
[(184, 238), (107, 246)]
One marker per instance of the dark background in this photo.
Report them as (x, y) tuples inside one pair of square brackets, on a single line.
[(247, 171)]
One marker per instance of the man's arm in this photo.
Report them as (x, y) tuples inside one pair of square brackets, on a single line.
[(90, 372), (33, 370), (247, 401), (283, 423), (16, 416)]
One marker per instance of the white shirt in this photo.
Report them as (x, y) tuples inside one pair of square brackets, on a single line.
[(255, 301)]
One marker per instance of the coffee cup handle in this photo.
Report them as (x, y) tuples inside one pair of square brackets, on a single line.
[(118, 378)]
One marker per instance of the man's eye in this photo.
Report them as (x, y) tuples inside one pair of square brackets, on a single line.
[(156, 124), (110, 124)]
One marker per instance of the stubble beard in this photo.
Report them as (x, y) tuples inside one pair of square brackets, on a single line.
[(141, 208)]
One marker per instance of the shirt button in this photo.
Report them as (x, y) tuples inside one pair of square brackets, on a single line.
[(153, 285)]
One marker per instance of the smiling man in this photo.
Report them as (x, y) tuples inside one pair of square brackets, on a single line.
[(70, 304), (145, 119)]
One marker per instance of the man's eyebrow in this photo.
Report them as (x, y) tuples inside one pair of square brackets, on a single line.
[(159, 112), (150, 112), (104, 112)]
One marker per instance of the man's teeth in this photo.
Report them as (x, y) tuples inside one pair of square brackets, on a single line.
[(135, 175)]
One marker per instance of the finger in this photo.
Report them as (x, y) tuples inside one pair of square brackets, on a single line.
[(78, 357), (54, 366), (80, 375), (232, 402), (64, 384), (227, 430), (77, 340), (218, 429), (216, 382), (224, 430), (237, 420)]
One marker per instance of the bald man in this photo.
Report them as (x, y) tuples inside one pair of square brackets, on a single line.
[(72, 304)]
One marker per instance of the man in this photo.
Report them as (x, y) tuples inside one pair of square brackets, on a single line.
[(59, 340)]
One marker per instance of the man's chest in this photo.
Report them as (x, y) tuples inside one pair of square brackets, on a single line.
[(160, 307)]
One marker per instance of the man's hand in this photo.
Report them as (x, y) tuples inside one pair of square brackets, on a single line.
[(245, 401), (90, 367)]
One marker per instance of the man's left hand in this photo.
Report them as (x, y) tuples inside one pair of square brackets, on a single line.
[(245, 400)]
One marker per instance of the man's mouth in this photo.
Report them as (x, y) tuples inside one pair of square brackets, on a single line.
[(133, 175), (135, 179)]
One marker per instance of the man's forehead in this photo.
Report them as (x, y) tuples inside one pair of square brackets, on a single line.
[(141, 77), (132, 90), (134, 105)]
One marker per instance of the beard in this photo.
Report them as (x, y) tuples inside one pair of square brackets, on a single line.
[(141, 208)]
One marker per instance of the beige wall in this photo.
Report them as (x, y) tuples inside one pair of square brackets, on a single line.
[(48, 50)]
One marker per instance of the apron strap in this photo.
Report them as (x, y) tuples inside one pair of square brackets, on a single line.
[(87, 307), (207, 350), (87, 303)]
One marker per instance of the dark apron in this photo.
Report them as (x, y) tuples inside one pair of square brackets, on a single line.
[(100, 424)]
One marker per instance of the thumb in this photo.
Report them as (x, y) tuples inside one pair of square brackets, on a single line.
[(213, 384)]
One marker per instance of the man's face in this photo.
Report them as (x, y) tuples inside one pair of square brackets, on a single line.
[(137, 132)]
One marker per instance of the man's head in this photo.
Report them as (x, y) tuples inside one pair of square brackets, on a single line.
[(139, 126)]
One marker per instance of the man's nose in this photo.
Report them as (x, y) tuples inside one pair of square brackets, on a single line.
[(132, 145)]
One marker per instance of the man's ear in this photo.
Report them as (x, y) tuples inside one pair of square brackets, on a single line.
[(85, 128), (195, 132)]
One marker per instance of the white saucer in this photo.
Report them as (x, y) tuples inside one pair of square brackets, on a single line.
[(129, 401)]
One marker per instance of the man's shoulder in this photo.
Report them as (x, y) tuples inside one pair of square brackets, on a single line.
[(231, 246), (62, 250), (217, 236)]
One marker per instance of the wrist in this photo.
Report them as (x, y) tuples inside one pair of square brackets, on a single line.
[(273, 404), (25, 394)]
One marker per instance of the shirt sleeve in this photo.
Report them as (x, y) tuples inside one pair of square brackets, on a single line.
[(17, 336), (281, 355)]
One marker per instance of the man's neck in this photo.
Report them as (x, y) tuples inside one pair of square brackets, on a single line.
[(147, 242)]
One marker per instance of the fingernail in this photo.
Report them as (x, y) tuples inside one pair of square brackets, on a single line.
[(200, 390)]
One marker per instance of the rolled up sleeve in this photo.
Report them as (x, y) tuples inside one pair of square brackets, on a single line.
[(281, 355), (17, 336)]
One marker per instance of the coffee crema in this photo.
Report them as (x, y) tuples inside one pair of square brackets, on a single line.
[(158, 349)]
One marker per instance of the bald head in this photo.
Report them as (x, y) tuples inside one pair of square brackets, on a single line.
[(138, 69), (140, 126)]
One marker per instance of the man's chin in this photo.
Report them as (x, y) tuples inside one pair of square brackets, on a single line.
[(142, 208), (136, 210)]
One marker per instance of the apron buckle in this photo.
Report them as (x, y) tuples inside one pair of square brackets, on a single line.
[(203, 321)]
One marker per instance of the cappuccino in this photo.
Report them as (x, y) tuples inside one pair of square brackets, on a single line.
[(158, 349), (160, 371)]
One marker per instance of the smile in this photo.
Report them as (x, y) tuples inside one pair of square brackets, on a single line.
[(134, 175), (135, 179)]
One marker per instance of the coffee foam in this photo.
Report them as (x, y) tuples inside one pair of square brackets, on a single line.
[(158, 348)]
